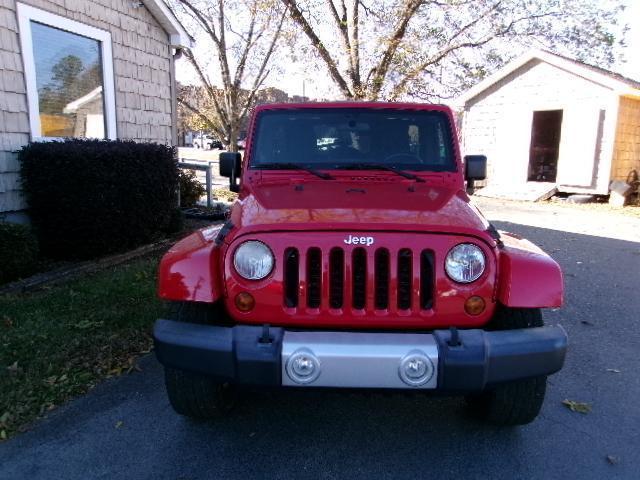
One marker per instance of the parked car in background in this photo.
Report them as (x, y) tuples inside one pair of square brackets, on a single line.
[(207, 142)]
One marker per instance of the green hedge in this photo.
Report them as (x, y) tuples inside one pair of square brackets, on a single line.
[(190, 188), (89, 198), (18, 252)]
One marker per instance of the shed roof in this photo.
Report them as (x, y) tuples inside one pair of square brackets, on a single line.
[(614, 81), (178, 36)]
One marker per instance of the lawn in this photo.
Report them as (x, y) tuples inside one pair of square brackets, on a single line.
[(59, 342)]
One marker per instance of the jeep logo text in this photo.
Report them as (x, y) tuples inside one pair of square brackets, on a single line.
[(351, 240)]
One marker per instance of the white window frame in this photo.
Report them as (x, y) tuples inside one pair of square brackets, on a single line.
[(27, 14)]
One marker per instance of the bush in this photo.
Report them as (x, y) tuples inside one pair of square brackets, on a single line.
[(18, 252), (176, 222), (190, 188), (93, 197)]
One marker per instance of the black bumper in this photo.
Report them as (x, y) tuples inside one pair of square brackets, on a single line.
[(245, 355)]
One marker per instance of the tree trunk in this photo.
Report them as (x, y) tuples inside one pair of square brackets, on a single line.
[(233, 138)]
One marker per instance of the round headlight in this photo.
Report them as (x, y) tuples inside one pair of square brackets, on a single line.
[(253, 260), (464, 263)]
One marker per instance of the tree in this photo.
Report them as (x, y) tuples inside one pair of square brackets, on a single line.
[(70, 80), (242, 52), (391, 49)]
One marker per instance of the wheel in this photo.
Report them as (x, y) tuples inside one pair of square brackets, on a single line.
[(193, 394), (513, 403)]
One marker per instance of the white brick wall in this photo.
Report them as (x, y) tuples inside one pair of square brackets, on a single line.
[(497, 122), (142, 63)]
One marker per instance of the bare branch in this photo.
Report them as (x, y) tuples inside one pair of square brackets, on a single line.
[(298, 18), (401, 87), (205, 81), (215, 126), (262, 73), (202, 20), (380, 72), (245, 53), (355, 48)]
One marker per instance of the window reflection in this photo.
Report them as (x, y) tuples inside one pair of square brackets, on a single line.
[(69, 83)]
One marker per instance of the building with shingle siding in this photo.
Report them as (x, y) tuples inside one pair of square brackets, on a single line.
[(83, 68), (544, 118)]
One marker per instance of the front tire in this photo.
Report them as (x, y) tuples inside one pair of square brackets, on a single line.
[(518, 402), (193, 394)]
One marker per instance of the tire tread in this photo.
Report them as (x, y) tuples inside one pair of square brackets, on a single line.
[(513, 403), (193, 394)]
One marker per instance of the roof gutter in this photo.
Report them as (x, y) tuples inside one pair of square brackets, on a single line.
[(178, 36)]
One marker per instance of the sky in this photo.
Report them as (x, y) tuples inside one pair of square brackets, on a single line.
[(632, 52), (317, 84)]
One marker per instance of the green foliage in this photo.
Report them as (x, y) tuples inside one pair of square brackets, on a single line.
[(18, 252), (190, 188), (89, 198), (176, 222), (58, 343)]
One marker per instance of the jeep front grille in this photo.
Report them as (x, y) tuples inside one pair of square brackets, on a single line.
[(350, 281)]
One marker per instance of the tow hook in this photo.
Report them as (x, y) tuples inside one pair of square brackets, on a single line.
[(454, 340), (265, 338)]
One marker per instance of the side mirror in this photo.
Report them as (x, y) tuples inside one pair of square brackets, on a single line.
[(230, 165), (475, 167)]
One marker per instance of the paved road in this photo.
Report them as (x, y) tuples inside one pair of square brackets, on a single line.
[(330, 435)]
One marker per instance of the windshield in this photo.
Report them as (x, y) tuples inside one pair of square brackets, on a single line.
[(336, 138)]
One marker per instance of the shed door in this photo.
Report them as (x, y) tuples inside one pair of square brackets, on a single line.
[(512, 147), (580, 145)]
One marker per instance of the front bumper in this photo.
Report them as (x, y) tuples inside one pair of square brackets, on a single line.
[(264, 356)]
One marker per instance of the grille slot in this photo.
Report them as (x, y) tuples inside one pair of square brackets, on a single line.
[(405, 279), (349, 281), (291, 277), (382, 279), (314, 277), (336, 278), (426, 279), (359, 278)]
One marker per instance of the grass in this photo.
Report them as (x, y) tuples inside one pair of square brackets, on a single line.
[(60, 342)]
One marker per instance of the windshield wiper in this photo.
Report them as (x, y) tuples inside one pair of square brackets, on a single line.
[(381, 166), (292, 166)]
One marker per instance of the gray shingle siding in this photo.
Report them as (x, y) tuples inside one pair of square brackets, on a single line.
[(142, 71)]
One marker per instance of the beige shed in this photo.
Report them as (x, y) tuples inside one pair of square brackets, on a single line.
[(548, 122)]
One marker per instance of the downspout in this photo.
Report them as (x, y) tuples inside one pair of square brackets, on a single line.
[(174, 95)]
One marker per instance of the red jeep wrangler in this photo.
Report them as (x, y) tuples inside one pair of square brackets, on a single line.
[(353, 258)]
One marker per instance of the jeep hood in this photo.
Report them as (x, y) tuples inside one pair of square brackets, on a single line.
[(338, 205)]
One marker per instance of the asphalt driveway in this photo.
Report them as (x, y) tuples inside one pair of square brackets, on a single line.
[(125, 428)]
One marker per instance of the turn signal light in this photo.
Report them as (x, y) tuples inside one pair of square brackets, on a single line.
[(245, 302), (474, 305)]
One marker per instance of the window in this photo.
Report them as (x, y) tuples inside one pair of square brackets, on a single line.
[(332, 138), (69, 74)]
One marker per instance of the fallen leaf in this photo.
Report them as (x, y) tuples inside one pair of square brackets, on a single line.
[(578, 263), (252, 434), (586, 322), (3, 435), (7, 321), (4, 418), (579, 407), (612, 459), (613, 370), (119, 423)]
